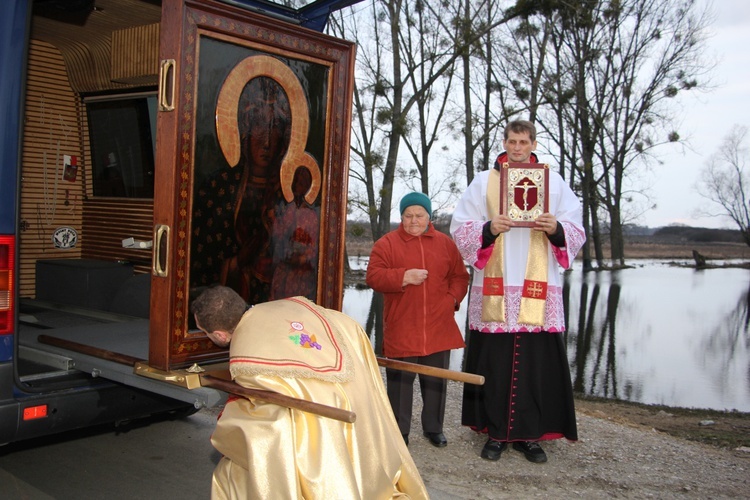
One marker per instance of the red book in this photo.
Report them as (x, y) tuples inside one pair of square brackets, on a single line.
[(524, 191)]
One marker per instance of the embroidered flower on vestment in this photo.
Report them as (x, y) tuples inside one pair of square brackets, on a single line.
[(303, 339)]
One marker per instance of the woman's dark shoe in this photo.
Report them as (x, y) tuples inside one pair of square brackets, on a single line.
[(436, 438), (493, 449), (532, 451)]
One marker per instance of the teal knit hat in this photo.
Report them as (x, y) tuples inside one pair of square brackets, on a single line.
[(415, 198)]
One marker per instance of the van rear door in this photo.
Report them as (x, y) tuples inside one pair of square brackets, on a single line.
[(221, 215), (206, 58)]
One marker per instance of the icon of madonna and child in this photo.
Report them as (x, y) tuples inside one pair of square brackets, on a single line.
[(256, 221)]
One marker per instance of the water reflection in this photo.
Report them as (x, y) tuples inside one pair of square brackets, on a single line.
[(653, 334)]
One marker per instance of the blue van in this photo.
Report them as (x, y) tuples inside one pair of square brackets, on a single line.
[(125, 190)]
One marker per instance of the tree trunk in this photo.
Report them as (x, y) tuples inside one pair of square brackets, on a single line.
[(596, 231), (616, 240), (468, 110)]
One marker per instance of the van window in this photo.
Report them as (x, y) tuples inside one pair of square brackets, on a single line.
[(122, 135)]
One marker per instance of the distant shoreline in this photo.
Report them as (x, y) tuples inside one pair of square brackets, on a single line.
[(640, 247)]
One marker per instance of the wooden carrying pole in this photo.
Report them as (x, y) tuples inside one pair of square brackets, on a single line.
[(278, 399), (96, 352), (467, 378), (211, 381)]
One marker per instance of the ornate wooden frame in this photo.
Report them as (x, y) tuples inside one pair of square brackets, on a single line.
[(262, 47)]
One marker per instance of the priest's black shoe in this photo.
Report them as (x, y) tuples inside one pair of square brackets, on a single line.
[(531, 450), (493, 449), (436, 438)]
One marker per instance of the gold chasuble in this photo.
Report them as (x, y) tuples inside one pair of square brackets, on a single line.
[(534, 293), (296, 348)]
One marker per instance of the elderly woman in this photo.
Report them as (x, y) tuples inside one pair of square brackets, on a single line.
[(423, 280)]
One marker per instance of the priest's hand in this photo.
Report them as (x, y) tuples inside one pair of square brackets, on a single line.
[(547, 223), (500, 224)]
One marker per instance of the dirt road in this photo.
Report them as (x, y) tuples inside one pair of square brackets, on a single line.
[(613, 458)]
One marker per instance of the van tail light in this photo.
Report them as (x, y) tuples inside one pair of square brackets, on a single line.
[(7, 284), (34, 412)]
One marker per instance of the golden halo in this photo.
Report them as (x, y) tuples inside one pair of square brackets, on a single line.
[(227, 129), (287, 176)]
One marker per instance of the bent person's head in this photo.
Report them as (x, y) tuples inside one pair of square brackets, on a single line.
[(218, 309)]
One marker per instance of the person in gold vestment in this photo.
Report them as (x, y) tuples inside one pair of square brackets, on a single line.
[(298, 349)]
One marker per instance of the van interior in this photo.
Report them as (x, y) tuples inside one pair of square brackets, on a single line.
[(86, 183)]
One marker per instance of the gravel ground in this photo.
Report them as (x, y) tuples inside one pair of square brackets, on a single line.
[(611, 459)]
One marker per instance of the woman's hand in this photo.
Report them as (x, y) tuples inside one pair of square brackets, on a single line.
[(414, 277)]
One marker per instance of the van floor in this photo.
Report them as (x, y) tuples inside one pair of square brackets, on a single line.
[(40, 364), (109, 347), (50, 315)]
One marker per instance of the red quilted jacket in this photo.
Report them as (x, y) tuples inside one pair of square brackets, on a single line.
[(418, 318)]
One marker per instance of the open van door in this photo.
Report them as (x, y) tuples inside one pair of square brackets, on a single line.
[(153, 148), (162, 147), (251, 167)]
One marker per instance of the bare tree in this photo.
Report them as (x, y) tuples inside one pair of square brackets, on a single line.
[(725, 180), (655, 48), (549, 74), (368, 133), (574, 39), (617, 69), (393, 86), (427, 48), (380, 114), (483, 109)]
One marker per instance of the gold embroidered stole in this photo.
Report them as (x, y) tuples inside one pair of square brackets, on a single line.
[(534, 294), (493, 291)]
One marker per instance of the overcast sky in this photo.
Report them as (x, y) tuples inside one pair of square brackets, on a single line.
[(708, 119)]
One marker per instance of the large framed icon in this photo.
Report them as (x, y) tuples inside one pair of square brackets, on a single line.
[(524, 191), (262, 114)]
